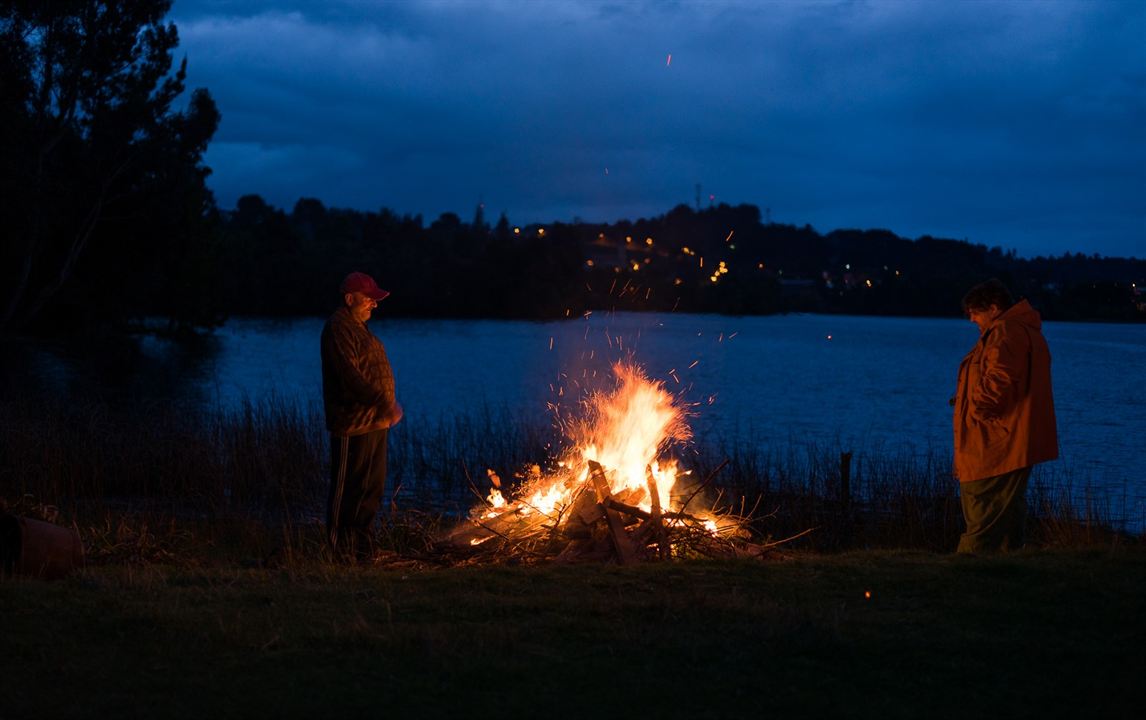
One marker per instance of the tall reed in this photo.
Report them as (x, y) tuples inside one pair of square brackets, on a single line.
[(265, 465)]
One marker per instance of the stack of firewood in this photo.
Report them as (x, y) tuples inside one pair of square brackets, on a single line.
[(598, 525)]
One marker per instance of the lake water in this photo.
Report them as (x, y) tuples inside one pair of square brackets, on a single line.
[(864, 383)]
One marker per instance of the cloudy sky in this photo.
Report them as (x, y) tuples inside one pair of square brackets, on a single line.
[(1020, 124)]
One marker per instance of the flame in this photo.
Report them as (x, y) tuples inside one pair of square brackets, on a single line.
[(496, 500), (625, 430)]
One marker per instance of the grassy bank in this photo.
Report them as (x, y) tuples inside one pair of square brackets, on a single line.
[(116, 472), (1036, 633)]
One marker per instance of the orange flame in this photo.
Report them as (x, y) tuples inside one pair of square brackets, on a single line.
[(624, 430)]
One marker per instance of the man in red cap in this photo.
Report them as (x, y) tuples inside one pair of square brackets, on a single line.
[(358, 396)]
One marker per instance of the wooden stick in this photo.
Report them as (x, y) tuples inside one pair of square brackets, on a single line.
[(626, 553), (473, 488), (663, 548), (702, 485)]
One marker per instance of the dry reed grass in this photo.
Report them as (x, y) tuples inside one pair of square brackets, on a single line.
[(159, 482)]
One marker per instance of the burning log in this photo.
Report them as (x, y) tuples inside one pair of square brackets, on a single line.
[(611, 496), (626, 552), (655, 520)]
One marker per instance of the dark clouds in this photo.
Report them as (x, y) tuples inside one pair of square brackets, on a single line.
[(1017, 124)]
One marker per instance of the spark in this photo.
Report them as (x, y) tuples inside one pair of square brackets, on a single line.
[(729, 235), (733, 334), (668, 62), (694, 364), (550, 342)]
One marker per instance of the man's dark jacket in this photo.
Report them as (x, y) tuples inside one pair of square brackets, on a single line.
[(357, 382)]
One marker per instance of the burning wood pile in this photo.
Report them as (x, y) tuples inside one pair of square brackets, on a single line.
[(611, 497)]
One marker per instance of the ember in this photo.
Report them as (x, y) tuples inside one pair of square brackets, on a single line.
[(613, 494)]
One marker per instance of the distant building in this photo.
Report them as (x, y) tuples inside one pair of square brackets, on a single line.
[(604, 253)]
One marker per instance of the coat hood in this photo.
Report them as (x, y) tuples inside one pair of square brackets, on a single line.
[(1022, 312)]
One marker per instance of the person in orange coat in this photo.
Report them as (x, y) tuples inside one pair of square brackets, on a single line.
[(1004, 418)]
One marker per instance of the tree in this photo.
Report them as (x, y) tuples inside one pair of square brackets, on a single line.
[(103, 182)]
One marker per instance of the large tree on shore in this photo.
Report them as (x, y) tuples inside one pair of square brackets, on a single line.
[(101, 178)]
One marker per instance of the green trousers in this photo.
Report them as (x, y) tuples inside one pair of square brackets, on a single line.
[(995, 511)]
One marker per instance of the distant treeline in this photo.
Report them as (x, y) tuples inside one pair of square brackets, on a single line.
[(722, 259), (107, 221)]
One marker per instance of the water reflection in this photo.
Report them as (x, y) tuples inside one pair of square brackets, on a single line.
[(116, 371), (879, 384)]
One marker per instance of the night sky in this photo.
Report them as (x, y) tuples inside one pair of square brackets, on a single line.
[(1018, 124)]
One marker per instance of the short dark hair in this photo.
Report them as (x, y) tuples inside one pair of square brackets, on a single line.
[(986, 294)]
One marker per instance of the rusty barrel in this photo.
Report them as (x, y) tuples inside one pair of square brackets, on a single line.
[(35, 548)]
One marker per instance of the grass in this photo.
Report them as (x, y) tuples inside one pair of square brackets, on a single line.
[(1047, 632), (207, 592)]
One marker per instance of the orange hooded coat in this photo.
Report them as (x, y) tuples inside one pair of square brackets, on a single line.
[(1004, 408)]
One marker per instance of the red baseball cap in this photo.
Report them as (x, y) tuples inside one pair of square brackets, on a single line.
[(363, 283)]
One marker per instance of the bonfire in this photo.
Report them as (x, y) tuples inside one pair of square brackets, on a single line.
[(614, 494)]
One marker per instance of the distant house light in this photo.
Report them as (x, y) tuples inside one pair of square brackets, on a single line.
[(589, 263), (628, 238), (540, 232), (517, 231), (649, 241)]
